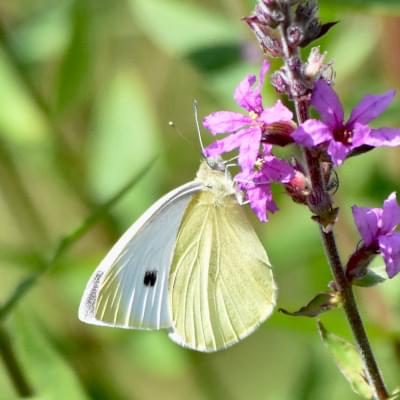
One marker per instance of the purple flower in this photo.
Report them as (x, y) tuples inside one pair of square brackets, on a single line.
[(257, 183), (245, 130), (377, 228), (340, 137)]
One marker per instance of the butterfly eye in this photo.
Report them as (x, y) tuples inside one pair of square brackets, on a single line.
[(150, 278)]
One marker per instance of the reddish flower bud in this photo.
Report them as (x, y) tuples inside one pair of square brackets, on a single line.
[(299, 188), (280, 82)]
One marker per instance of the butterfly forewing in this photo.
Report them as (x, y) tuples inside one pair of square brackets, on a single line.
[(220, 284), (129, 287)]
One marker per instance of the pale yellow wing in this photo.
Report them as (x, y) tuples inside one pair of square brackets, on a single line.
[(220, 285)]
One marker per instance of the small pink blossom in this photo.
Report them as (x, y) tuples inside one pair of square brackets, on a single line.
[(338, 137), (377, 228), (257, 183), (245, 131)]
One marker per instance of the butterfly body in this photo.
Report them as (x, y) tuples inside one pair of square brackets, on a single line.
[(192, 264)]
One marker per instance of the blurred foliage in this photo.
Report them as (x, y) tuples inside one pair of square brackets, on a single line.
[(349, 362), (87, 88)]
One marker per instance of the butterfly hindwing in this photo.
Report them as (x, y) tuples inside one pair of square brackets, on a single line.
[(129, 287), (220, 284)]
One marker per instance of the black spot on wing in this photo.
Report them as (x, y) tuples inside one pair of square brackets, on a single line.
[(150, 278)]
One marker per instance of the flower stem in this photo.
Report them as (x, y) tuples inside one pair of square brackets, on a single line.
[(353, 316), (321, 203), (12, 365)]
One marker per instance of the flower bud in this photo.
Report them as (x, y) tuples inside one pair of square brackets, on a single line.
[(306, 17), (265, 36), (315, 68), (295, 35), (299, 188), (314, 64), (299, 89), (269, 12), (279, 133), (280, 81), (306, 11), (357, 265)]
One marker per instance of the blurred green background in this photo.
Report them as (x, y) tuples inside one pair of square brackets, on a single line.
[(87, 88)]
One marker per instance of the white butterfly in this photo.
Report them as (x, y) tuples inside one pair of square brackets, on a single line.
[(192, 264)]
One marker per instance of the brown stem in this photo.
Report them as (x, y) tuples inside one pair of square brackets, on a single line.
[(321, 204), (350, 307)]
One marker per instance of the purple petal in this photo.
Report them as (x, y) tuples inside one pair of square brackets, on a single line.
[(277, 170), (249, 148), (248, 97), (312, 133), (361, 134), (390, 215), (327, 103), (384, 137), (263, 71), (370, 107), (260, 198), (226, 144), (266, 149), (277, 113), (225, 122), (367, 220), (389, 246), (244, 179), (338, 152)]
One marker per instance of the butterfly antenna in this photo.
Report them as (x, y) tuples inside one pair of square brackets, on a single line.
[(172, 125), (196, 118)]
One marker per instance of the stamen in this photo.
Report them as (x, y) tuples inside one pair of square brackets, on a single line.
[(253, 115), (258, 164)]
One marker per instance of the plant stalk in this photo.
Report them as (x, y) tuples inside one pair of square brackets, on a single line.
[(12, 365), (353, 316), (320, 194)]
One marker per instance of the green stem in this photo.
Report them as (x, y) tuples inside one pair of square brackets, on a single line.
[(66, 157), (13, 366), (19, 201), (66, 243)]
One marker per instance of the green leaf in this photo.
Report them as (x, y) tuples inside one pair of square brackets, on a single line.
[(16, 102), (49, 374), (321, 303), (124, 137), (215, 58), (348, 360), (74, 74), (373, 277), (179, 27), (43, 35)]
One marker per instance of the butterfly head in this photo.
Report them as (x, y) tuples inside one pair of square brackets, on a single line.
[(216, 164), (215, 178)]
